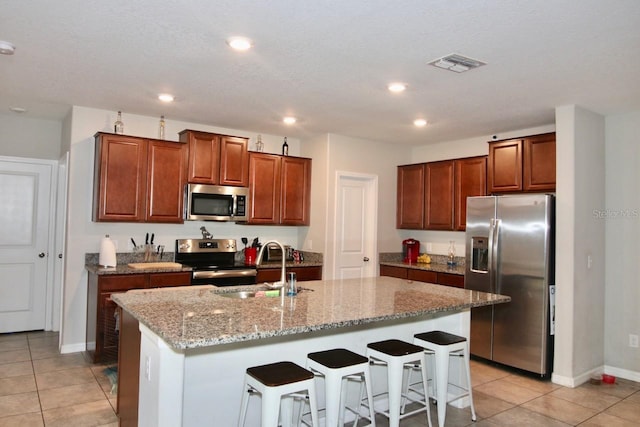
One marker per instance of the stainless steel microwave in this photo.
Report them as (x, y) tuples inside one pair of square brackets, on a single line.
[(215, 203)]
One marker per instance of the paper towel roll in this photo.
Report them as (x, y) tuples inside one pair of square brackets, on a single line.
[(107, 256)]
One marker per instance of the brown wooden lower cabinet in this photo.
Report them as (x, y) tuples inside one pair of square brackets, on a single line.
[(448, 279), (128, 370), (102, 328), (302, 274)]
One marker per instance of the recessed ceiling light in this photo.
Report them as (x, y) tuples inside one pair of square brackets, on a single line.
[(18, 110), (397, 87), (7, 48), (420, 122), (289, 120), (166, 97), (239, 43)]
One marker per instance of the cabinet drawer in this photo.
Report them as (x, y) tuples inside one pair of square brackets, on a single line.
[(302, 274), (157, 280), (423, 276), (388, 270), (122, 282), (448, 279)]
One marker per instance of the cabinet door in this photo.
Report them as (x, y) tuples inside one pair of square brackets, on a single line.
[(449, 279), (204, 156), (264, 188), (505, 166), (295, 195), (439, 196), (540, 163), (159, 280), (470, 180), (410, 197), (302, 274), (165, 183), (423, 276), (120, 178), (234, 161), (107, 330)]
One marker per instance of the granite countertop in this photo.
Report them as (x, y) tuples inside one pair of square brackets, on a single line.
[(200, 317), (125, 269), (438, 263)]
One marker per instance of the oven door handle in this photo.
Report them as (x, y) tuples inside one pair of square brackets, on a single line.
[(221, 274)]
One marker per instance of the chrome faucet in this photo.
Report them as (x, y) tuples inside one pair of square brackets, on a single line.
[(283, 279)]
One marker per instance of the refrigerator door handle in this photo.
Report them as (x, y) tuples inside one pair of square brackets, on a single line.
[(492, 224), (494, 242)]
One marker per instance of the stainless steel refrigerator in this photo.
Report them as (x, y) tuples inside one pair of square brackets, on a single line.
[(510, 251)]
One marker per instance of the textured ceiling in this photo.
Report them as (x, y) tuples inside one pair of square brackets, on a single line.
[(325, 61)]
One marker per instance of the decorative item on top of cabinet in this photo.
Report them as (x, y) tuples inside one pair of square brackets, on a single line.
[(522, 164), (279, 189), (217, 159), (138, 179)]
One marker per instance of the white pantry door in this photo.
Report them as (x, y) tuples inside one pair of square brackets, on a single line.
[(24, 234), (356, 225)]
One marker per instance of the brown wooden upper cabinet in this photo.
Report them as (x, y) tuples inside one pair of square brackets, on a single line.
[(470, 180), (433, 196), (138, 179), (279, 189), (410, 197), (217, 159), (522, 164)]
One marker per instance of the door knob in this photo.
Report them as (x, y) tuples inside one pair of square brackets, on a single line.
[(41, 254), (365, 259)]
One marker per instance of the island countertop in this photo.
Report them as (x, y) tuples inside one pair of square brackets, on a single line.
[(188, 318)]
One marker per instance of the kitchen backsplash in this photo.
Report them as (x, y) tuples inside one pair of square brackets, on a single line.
[(436, 259)]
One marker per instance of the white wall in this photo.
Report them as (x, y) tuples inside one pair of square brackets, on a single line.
[(622, 224), (341, 153), (438, 241), (580, 234), (23, 136), (83, 235)]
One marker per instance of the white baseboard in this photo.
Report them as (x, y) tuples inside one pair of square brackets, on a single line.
[(73, 348), (584, 377), (622, 373)]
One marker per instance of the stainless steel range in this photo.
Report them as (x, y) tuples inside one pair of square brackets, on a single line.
[(213, 262)]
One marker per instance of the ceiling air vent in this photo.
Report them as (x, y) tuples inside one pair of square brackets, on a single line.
[(456, 63)]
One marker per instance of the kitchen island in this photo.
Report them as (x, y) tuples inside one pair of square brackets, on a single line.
[(197, 343)]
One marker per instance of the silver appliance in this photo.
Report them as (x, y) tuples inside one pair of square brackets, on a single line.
[(216, 203), (213, 262), (510, 251)]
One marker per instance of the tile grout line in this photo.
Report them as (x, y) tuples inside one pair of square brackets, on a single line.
[(35, 380)]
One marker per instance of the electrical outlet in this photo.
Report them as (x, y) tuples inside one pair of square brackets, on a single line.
[(429, 247), (633, 340), (147, 368)]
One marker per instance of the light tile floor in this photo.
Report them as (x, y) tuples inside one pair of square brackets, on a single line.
[(41, 387)]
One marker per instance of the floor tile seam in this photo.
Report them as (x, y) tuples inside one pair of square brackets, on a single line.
[(586, 407), (25, 413), (73, 404), (600, 413)]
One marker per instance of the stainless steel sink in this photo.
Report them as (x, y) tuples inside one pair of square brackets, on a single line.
[(239, 295)]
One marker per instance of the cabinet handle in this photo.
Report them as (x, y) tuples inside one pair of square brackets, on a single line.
[(41, 254), (365, 259)]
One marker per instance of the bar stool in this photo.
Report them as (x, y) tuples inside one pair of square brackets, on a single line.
[(337, 366), (395, 354), (444, 345), (275, 381)]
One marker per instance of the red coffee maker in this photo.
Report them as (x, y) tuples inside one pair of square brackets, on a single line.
[(410, 251)]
